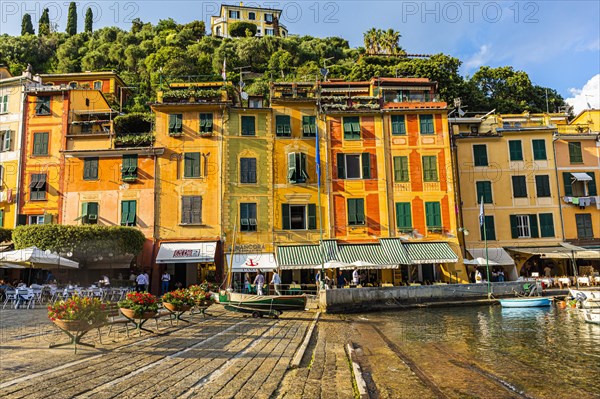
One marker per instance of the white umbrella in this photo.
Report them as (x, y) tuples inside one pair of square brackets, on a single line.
[(36, 257), (480, 262), (11, 266), (332, 264)]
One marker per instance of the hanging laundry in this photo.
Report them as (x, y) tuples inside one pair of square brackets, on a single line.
[(575, 201)]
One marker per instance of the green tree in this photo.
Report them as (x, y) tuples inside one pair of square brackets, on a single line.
[(44, 23), (89, 20), (240, 29), (27, 25), (72, 19)]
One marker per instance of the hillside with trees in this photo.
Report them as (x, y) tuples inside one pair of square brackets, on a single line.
[(148, 55)]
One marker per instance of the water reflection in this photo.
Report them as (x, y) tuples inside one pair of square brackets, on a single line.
[(541, 350)]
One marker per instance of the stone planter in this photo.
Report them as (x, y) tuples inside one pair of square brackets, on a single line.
[(130, 313), (73, 325), (176, 308)]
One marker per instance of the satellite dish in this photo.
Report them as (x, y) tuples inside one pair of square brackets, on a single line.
[(244, 95), (324, 71)]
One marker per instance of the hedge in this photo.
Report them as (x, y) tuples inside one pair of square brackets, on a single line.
[(83, 241), (238, 29)]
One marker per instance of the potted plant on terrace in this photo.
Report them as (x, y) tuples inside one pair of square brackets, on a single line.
[(180, 300), (202, 297), (139, 305)]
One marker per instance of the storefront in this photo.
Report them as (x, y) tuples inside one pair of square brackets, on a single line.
[(188, 263), (499, 258), (242, 264), (428, 260)]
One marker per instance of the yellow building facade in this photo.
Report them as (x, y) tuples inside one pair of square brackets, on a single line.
[(266, 20)]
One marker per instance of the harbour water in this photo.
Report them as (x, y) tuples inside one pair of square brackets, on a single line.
[(488, 351)]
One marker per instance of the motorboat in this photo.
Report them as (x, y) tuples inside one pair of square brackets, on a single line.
[(526, 302)]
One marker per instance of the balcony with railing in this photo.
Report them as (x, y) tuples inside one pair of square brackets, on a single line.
[(205, 92), (284, 91), (340, 103), (91, 123)]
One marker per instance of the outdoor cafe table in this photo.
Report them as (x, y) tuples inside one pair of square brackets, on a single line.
[(584, 280), (564, 280)]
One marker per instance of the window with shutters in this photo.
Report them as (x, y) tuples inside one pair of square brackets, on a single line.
[(234, 14), (433, 217), (546, 225), (4, 104), (206, 123), (297, 168), (251, 16), (480, 157), (5, 140), (515, 150), (575, 155), (430, 168), (98, 85), (191, 209), (89, 213), (401, 169), (299, 217), (579, 188), (490, 229), (283, 127), (351, 127), (542, 186), (36, 219), (248, 216), (128, 213), (356, 211), (175, 124), (268, 17), (129, 167), (248, 126), (90, 168), (309, 126), (539, 150), (584, 226), (354, 166), (484, 189), (398, 125), (519, 187), (403, 217), (40, 143), (42, 106), (37, 187), (523, 226), (247, 170), (426, 124), (191, 164)]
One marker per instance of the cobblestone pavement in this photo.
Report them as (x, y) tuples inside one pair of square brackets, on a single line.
[(223, 356)]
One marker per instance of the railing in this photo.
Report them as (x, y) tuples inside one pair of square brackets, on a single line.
[(431, 186)]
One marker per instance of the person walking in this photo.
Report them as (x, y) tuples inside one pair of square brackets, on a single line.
[(147, 281), (247, 284), (276, 281), (140, 282), (355, 277), (259, 282), (165, 279)]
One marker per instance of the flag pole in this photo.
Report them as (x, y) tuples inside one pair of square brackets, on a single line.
[(487, 261), (318, 172)]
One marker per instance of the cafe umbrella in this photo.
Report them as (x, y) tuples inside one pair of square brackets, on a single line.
[(35, 257)]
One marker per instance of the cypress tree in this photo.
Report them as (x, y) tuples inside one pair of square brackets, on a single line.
[(72, 19), (89, 20), (27, 25), (44, 23)]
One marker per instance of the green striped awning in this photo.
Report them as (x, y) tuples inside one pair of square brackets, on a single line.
[(365, 256), (299, 256), (430, 252), (330, 250), (395, 251)]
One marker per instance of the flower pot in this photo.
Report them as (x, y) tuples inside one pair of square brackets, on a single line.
[(73, 325), (130, 313), (176, 308)]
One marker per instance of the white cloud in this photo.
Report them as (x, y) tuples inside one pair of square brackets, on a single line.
[(478, 59), (588, 94)]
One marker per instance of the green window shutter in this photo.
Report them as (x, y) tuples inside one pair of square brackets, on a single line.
[(248, 126), (519, 187), (309, 127), (21, 220), (360, 211), (282, 123), (398, 169), (398, 125), (292, 175), (352, 212), (480, 155), (206, 123), (124, 212), (575, 155), (285, 216), (186, 209), (484, 189), (490, 229), (514, 228), (546, 225), (542, 186), (131, 220), (433, 214), (92, 212), (516, 150), (366, 165), (197, 209), (591, 185), (40, 144), (84, 212), (430, 168), (568, 184), (539, 150), (403, 215), (533, 226), (426, 124), (312, 216), (351, 127), (188, 167), (341, 166), (129, 166), (7, 141), (90, 168), (1, 217), (302, 168)]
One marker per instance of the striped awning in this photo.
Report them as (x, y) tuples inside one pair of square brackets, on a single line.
[(330, 250), (394, 251), (365, 256), (299, 256), (430, 252)]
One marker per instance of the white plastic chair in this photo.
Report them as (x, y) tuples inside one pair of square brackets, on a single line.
[(25, 295), (10, 296)]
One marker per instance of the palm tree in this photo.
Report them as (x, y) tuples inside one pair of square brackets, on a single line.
[(370, 39)]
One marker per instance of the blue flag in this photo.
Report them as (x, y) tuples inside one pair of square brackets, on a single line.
[(317, 154)]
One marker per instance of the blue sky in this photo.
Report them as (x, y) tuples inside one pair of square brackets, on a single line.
[(556, 42)]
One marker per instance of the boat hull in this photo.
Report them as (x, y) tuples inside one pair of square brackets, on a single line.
[(525, 302), (275, 302), (591, 316)]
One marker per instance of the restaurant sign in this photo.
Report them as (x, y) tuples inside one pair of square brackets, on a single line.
[(186, 253)]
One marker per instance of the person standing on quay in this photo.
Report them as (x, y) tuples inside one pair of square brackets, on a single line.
[(355, 277), (276, 281), (165, 279), (140, 281), (259, 281)]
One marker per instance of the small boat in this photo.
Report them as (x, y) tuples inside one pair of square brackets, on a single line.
[(591, 316), (587, 299), (260, 305), (526, 302)]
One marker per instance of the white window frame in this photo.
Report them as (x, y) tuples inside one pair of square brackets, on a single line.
[(269, 32), (233, 14), (272, 17), (360, 168), (4, 104), (5, 140), (39, 219), (523, 227)]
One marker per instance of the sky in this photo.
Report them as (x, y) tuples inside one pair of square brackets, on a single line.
[(556, 42)]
